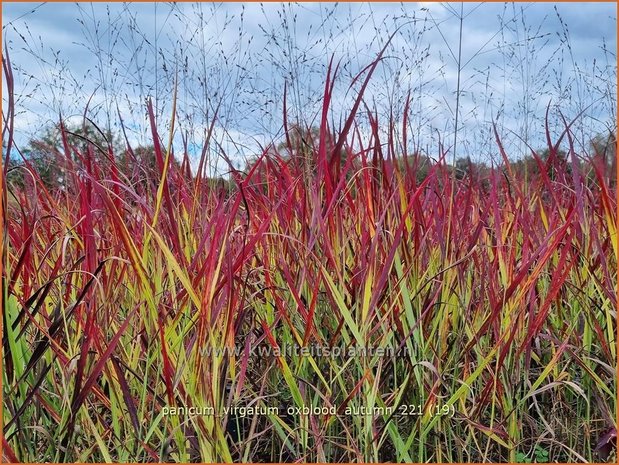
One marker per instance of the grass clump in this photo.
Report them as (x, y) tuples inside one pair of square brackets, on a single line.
[(343, 308)]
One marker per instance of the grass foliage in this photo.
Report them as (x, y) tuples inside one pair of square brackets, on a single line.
[(129, 291)]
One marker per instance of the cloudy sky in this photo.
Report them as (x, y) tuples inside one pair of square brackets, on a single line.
[(234, 59)]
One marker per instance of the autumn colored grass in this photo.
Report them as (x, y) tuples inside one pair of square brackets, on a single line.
[(492, 297)]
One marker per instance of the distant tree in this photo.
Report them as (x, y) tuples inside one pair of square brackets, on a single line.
[(47, 154), (605, 145), (301, 146), (463, 168), (529, 168), (604, 154), (301, 149), (139, 165), (466, 168), (418, 163)]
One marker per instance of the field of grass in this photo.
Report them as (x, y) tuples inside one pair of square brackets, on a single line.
[(327, 304)]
